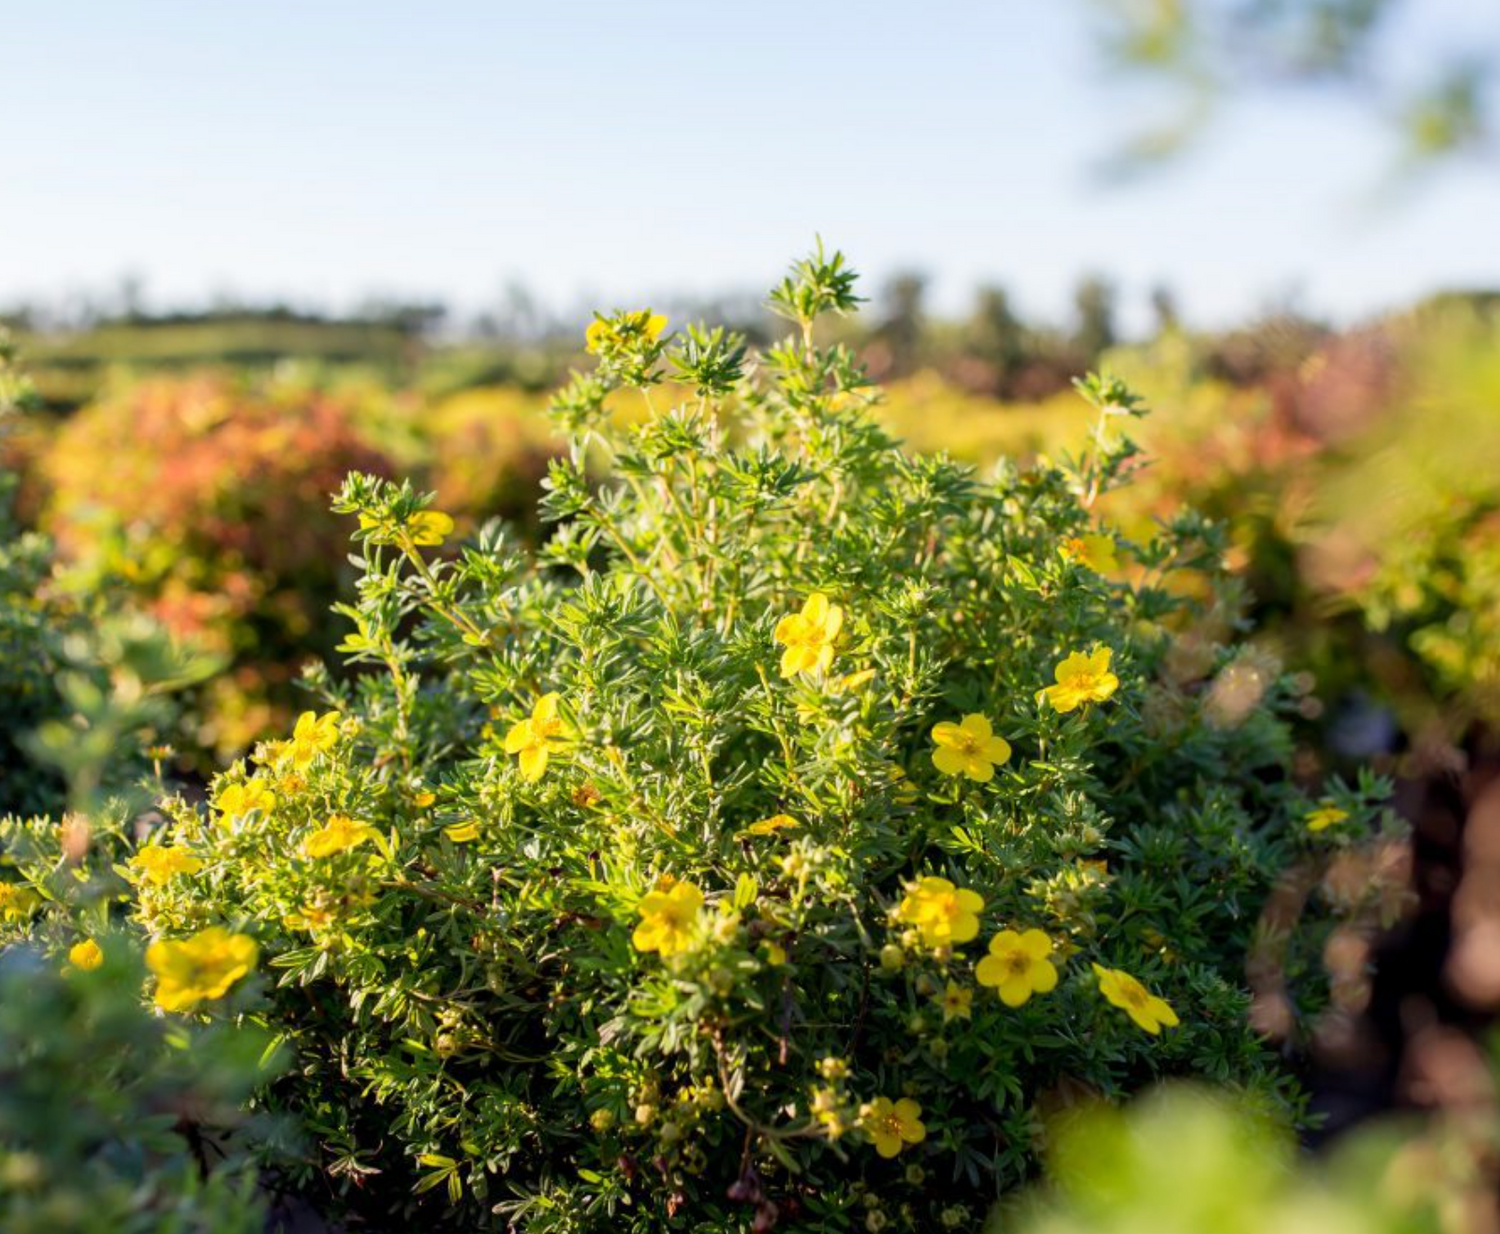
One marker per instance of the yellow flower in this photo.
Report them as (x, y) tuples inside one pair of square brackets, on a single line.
[(1142, 1006), (271, 753), (601, 332), (957, 1002), (462, 833), (314, 735), (892, 1125), (85, 955), (1081, 679), (18, 903), (534, 739), (669, 919), (1018, 966), (831, 1067), (429, 527), (1094, 551), (808, 636), (200, 968), (1325, 816), (770, 826), (425, 527), (424, 799), (159, 865), (969, 748), (942, 912), (338, 835), (236, 800), (825, 1109), (311, 917), (775, 954)]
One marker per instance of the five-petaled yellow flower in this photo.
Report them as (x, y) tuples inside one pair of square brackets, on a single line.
[(808, 636), (200, 968), (1018, 966), (957, 1002), (1128, 994), (943, 913), (159, 865), (425, 527), (236, 800), (1097, 552), (968, 748), (535, 738), (18, 903), (891, 1125), (1081, 678), (669, 919), (770, 826), (85, 955), (644, 323), (1325, 816), (338, 835), (314, 735)]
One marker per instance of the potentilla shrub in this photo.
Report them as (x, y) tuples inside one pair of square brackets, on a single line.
[(776, 847)]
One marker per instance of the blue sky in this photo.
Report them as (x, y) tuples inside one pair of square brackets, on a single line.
[(327, 151)]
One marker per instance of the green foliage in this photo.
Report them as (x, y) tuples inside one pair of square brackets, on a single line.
[(596, 902)]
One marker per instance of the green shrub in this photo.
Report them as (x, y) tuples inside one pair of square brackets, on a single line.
[(779, 841)]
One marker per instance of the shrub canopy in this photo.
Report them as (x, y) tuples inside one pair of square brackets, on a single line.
[(782, 841)]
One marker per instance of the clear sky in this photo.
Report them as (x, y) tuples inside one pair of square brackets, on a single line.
[(326, 151)]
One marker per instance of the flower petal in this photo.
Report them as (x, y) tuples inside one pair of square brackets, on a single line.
[(1014, 991), (1035, 944), (977, 726), (997, 750), (533, 762), (947, 733), (1043, 976), (949, 762), (979, 769)]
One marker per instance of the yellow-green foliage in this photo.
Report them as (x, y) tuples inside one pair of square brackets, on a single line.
[(1186, 1161), (1406, 523)]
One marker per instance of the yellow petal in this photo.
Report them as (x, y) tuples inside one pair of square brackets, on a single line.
[(1015, 991), (997, 750), (977, 726), (533, 762), (1043, 976), (946, 733), (978, 770)]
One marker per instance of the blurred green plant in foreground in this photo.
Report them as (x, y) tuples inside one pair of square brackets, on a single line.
[(1186, 1160)]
